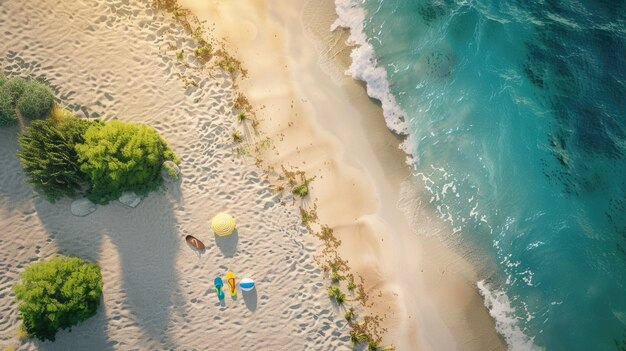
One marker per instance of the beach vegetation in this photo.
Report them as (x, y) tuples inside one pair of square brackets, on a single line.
[(372, 345), (228, 66), (236, 137), (298, 181), (335, 293), (241, 117), (14, 87), (180, 55), (336, 277), (10, 91), (308, 216), (7, 111), (357, 337), (49, 158), (171, 170), (349, 315), (122, 156), (58, 114), (36, 101), (32, 99), (351, 285), (57, 294), (229, 63), (22, 334), (203, 53), (302, 189)]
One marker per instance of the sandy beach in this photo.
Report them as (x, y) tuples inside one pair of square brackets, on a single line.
[(116, 59)]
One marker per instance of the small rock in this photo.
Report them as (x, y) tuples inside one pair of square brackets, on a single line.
[(82, 207), (130, 199)]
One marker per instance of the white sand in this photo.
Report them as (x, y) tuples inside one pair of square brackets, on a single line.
[(426, 290), (158, 294)]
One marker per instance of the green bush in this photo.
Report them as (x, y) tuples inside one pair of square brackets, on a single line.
[(14, 87), (36, 101), (57, 294), (7, 111), (49, 157), (120, 156)]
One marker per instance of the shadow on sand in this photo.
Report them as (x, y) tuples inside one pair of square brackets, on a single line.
[(250, 298), (14, 192), (143, 244), (228, 244)]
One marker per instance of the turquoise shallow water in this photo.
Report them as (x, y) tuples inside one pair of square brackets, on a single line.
[(517, 112)]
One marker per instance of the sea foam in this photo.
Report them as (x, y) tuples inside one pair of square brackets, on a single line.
[(365, 67), (501, 310)]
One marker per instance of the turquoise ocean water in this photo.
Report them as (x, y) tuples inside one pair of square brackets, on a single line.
[(516, 115)]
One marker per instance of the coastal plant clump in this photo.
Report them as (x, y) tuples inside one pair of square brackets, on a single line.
[(49, 158), (335, 293), (57, 294), (298, 182), (32, 99), (64, 155), (36, 102), (120, 156)]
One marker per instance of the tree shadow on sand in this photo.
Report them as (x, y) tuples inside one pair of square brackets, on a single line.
[(13, 189), (145, 244)]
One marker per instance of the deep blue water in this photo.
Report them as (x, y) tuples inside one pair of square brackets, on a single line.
[(518, 113)]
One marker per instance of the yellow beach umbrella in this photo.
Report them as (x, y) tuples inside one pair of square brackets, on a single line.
[(223, 224)]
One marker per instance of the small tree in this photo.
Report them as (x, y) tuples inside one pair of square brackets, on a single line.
[(57, 294), (36, 101), (49, 158), (120, 156)]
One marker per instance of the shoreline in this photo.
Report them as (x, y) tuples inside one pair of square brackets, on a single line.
[(281, 81)]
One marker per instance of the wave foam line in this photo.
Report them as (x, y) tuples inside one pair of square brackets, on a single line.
[(365, 67), (500, 309)]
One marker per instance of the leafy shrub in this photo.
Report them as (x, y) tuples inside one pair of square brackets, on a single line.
[(119, 156), (33, 99), (49, 158), (36, 101), (57, 294), (14, 88), (7, 111)]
